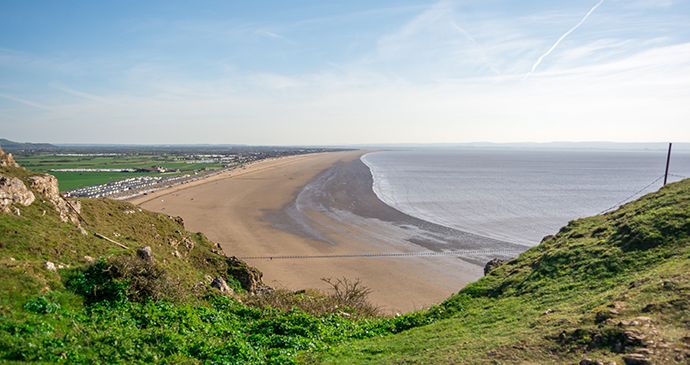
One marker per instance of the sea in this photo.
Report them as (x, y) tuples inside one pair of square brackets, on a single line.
[(516, 195)]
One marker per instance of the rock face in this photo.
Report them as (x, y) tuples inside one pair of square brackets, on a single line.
[(6, 159), (13, 190), (249, 277), (492, 265), (48, 186)]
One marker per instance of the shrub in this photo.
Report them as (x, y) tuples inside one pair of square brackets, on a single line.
[(347, 298), (126, 279), (41, 305)]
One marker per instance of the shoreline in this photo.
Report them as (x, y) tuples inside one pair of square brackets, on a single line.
[(260, 212)]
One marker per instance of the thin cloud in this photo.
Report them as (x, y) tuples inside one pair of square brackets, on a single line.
[(79, 93), (26, 102), (269, 34), (560, 39)]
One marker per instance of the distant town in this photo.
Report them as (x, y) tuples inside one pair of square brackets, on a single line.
[(138, 185), (119, 172)]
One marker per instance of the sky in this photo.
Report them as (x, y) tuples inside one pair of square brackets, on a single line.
[(344, 72)]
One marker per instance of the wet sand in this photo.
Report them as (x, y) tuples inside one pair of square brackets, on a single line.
[(322, 204)]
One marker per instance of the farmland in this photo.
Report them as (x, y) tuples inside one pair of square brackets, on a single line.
[(78, 167), (59, 164)]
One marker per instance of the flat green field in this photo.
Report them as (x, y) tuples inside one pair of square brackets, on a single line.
[(74, 180)]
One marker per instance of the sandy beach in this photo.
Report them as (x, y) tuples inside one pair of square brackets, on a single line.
[(322, 204)]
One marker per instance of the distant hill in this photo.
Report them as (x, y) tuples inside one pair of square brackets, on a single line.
[(11, 146)]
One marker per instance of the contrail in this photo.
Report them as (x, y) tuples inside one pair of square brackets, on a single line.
[(560, 39)]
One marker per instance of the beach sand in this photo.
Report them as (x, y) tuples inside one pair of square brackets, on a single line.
[(322, 204)]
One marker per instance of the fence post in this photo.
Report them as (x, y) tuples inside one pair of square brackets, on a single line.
[(668, 159)]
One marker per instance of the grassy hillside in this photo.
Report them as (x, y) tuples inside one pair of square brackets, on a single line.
[(614, 287), (90, 297), (606, 288)]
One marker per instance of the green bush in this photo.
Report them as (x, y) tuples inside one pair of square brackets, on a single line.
[(96, 284), (41, 305)]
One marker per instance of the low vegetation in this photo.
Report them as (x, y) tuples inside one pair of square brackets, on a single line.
[(614, 287), (608, 288), (70, 297)]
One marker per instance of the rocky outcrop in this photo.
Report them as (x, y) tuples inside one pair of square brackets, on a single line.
[(146, 254), (220, 284), (6, 159), (249, 277), (13, 191), (491, 265), (48, 185)]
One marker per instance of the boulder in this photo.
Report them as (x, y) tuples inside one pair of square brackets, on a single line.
[(146, 254), (636, 359), (51, 266), (491, 265), (220, 284)]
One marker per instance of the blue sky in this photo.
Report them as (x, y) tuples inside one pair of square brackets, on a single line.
[(324, 72)]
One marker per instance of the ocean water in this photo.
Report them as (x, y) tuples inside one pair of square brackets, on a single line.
[(517, 196)]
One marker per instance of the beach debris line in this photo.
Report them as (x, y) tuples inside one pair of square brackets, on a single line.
[(394, 254)]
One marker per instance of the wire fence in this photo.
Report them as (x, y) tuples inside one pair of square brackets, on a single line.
[(639, 192), (397, 254)]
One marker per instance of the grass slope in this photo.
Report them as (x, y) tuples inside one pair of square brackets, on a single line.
[(125, 310), (604, 288)]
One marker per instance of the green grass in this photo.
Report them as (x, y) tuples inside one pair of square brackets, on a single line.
[(74, 180), (551, 305), (122, 309), (624, 257)]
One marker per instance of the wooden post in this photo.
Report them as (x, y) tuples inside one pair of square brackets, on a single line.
[(668, 159)]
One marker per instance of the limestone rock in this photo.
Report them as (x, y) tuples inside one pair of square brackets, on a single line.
[(51, 266), (636, 359), (146, 254), (82, 230), (89, 259), (6, 159), (48, 186), (491, 265), (199, 285), (173, 243), (220, 284), (76, 205), (13, 190), (188, 243), (633, 337), (249, 277)]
